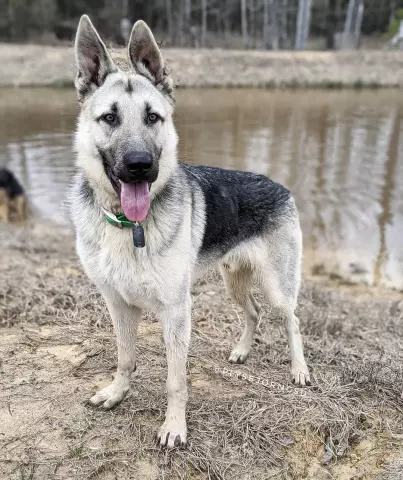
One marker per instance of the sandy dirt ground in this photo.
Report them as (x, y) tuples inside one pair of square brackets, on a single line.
[(247, 421), (30, 65)]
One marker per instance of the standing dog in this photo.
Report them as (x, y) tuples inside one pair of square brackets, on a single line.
[(191, 217)]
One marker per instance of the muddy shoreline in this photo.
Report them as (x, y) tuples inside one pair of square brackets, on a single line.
[(57, 347), (38, 65)]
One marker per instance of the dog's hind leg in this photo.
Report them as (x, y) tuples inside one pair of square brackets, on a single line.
[(20, 208), (125, 319), (4, 206), (280, 279), (176, 323), (238, 281)]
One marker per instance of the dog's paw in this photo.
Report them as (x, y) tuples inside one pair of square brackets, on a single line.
[(300, 375), (172, 434), (109, 396), (239, 354)]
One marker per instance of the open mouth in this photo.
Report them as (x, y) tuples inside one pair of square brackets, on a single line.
[(135, 200)]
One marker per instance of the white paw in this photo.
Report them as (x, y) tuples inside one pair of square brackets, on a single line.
[(110, 396), (300, 374), (239, 354), (172, 434)]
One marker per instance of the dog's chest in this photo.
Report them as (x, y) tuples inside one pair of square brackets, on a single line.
[(144, 279)]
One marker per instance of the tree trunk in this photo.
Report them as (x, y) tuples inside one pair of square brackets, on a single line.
[(307, 22), (168, 8), (283, 29), (244, 24), (358, 23), (266, 24), (252, 24), (188, 22), (11, 30), (204, 23), (331, 24), (226, 18), (188, 12), (149, 13), (274, 24), (349, 17), (179, 22), (300, 19), (125, 8), (303, 24)]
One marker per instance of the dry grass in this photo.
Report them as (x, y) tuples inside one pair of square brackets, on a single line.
[(41, 65), (244, 421)]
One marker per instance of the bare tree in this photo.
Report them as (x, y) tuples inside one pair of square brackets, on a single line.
[(270, 28), (252, 23), (204, 22), (352, 25), (274, 25), (283, 27), (303, 23), (244, 24), (331, 23), (125, 8), (180, 22), (307, 22), (266, 23), (358, 22), (188, 12), (168, 8)]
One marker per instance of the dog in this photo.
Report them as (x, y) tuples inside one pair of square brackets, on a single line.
[(12, 198), (148, 225)]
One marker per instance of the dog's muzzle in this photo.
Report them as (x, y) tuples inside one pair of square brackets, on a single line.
[(137, 167)]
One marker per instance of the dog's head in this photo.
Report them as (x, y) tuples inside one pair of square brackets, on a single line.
[(125, 140)]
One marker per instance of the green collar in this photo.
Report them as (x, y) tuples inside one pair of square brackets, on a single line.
[(119, 220)]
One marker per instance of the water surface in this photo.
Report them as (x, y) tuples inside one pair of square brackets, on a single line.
[(340, 153)]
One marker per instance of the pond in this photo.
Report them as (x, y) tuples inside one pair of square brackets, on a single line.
[(339, 152)]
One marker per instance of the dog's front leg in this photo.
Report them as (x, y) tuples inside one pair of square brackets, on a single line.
[(176, 323), (125, 319)]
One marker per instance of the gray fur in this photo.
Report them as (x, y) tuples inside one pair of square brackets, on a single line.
[(184, 231)]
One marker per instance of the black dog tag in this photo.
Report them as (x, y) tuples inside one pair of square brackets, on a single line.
[(138, 236)]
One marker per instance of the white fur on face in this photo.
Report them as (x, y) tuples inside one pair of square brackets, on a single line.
[(132, 133)]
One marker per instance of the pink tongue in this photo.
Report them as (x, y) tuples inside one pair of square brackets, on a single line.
[(135, 200)]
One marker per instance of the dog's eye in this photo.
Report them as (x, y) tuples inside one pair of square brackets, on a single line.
[(109, 118), (153, 117)]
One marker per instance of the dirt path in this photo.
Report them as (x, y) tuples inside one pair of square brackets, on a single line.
[(28, 65), (57, 347)]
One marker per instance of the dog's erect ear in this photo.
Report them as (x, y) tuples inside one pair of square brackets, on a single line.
[(92, 59), (144, 53), (146, 59)]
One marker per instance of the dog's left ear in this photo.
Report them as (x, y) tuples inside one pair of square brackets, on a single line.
[(146, 59)]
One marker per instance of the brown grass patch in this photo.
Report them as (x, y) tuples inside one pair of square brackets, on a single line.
[(350, 422)]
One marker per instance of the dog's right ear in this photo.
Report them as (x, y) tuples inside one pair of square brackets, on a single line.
[(93, 61)]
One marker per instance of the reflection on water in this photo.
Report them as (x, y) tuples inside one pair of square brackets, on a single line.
[(340, 153)]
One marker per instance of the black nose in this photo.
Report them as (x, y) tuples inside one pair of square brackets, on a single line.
[(138, 162)]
